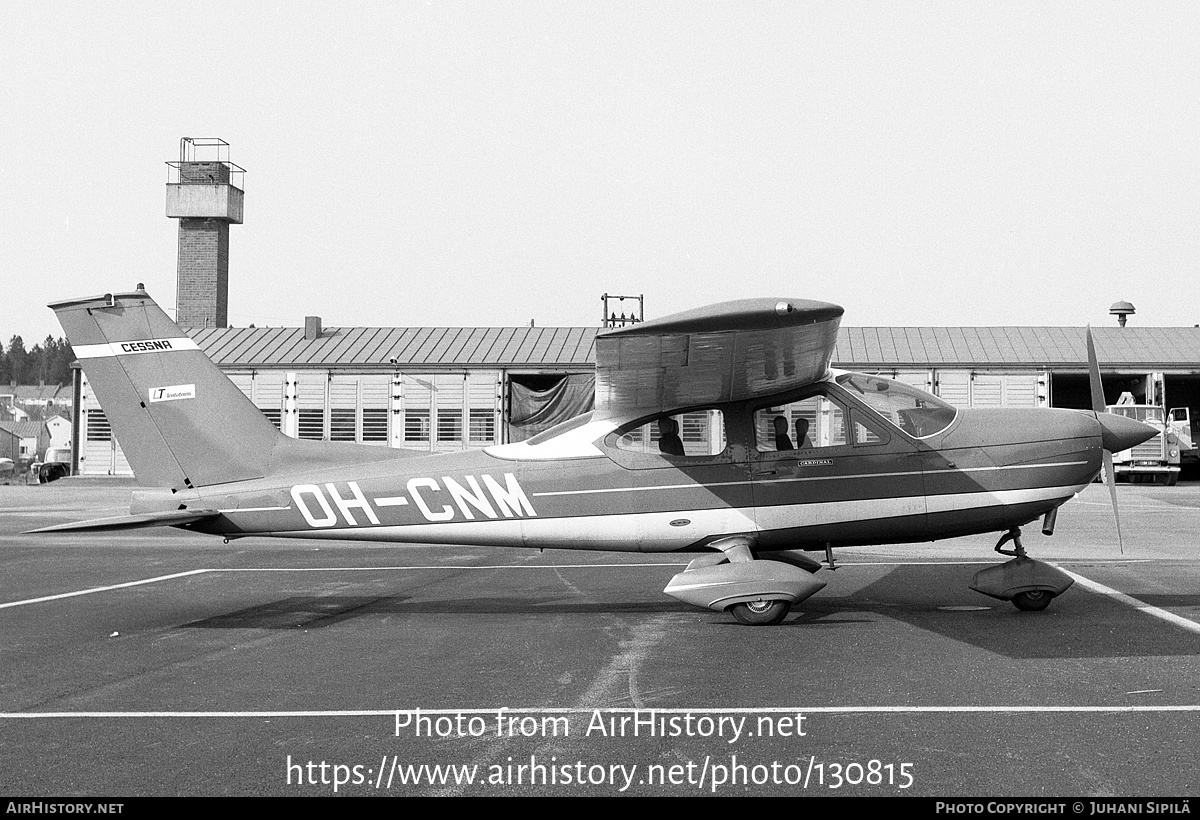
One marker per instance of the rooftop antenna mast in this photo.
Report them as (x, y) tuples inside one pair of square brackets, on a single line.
[(609, 317)]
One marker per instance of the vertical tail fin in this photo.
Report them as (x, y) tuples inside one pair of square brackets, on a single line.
[(179, 420)]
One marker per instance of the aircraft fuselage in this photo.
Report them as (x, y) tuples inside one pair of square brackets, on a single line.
[(988, 470)]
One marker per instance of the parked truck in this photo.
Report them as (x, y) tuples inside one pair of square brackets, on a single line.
[(1158, 459)]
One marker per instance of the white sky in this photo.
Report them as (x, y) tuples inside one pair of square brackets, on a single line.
[(488, 163)]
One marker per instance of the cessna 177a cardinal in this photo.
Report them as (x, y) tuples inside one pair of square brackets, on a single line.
[(721, 431)]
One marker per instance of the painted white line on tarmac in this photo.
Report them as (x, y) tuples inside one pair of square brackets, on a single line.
[(567, 710), (445, 566), (1169, 617), (990, 562), (111, 587), (103, 589)]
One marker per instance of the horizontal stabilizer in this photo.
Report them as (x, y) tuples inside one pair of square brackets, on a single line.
[(172, 518)]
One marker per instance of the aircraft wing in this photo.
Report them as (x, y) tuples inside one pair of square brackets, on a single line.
[(726, 352), (172, 518)]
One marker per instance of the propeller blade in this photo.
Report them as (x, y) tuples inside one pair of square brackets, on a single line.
[(1094, 374), (1111, 437), (1111, 480)]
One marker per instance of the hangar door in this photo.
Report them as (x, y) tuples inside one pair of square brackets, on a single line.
[(966, 389), (442, 412)]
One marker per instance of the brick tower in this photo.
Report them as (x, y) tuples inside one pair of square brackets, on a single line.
[(202, 195)]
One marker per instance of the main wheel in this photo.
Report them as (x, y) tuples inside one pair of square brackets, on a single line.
[(1035, 600), (760, 613)]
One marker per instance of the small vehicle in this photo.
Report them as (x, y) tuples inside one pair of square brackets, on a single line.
[(7, 468), (57, 464), (47, 471)]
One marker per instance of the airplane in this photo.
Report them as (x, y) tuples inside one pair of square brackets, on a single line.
[(689, 449)]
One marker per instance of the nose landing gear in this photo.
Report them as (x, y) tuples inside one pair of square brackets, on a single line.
[(1030, 585)]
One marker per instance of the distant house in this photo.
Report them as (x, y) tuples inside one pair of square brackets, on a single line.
[(58, 430), (36, 400), (31, 439), (10, 443)]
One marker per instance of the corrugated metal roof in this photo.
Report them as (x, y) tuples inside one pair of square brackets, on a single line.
[(857, 347), (411, 346), (1148, 347)]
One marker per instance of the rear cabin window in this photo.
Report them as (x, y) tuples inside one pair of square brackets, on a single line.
[(683, 435), (809, 423)]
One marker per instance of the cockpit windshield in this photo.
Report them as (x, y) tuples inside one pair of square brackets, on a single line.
[(914, 411)]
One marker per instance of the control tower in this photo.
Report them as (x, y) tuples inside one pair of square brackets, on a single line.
[(203, 193)]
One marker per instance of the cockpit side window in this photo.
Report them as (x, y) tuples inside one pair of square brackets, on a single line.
[(867, 432), (914, 411)]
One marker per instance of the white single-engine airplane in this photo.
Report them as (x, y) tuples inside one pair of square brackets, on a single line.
[(720, 431)]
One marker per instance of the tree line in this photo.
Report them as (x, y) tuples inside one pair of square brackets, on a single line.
[(49, 362)]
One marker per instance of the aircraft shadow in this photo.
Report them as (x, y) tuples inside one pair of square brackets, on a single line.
[(318, 612), (1080, 625)]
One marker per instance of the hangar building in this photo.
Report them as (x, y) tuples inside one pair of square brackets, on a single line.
[(437, 389)]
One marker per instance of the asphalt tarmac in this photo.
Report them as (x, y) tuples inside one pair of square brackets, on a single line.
[(158, 662)]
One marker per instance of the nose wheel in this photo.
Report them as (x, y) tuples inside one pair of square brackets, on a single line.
[(1034, 600)]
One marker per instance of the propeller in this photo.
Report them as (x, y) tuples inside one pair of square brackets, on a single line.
[(1100, 408), (1117, 433)]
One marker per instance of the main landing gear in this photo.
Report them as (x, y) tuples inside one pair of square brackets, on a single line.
[(1030, 585), (757, 592), (760, 613)]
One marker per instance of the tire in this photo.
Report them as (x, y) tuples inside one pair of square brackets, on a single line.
[(760, 613), (1034, 600)]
